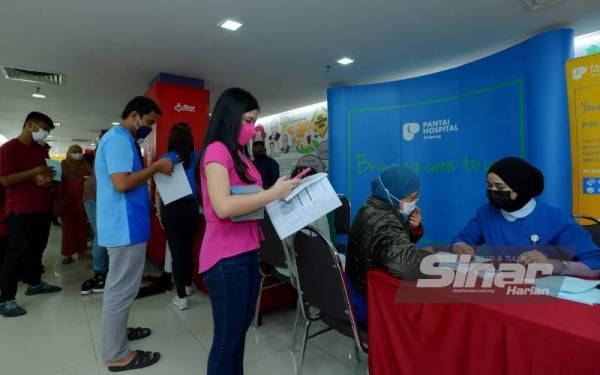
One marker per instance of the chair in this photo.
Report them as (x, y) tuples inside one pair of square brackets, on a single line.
[(341, 219), (272, 253), (593, 228), (321, 285)]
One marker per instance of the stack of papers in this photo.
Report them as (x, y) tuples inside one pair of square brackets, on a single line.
[(571, 288), (173, 187), (312, 199)]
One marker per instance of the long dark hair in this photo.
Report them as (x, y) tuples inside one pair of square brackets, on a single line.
[(225, 125), (181, 142)]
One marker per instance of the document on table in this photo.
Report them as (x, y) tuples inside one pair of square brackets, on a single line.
[(309, 201), (57, 169), (173, 187), (571, 288)]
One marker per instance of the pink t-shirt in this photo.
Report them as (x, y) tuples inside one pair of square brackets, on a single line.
[(224, 238)]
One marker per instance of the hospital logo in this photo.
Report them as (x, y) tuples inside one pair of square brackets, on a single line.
[(409, 130), (579, 72), (185, 108)]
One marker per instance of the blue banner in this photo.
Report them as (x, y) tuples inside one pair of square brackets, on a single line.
[(450, 126)]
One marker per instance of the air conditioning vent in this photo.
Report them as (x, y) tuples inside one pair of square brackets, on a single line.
[(27, 75), (539, 4)]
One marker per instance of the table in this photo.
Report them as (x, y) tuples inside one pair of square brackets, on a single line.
[(555, 337)]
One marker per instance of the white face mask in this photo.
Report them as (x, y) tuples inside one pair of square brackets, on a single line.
[(40, 135), (406, 208), (76, 156), (409, 207)]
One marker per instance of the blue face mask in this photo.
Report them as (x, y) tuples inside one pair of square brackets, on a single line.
[(142, 132)]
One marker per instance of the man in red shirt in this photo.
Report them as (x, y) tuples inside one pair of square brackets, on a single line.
[(3, 228), (28, 187)]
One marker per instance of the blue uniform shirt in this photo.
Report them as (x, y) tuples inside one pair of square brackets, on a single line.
[(123, 218), (557, 234)]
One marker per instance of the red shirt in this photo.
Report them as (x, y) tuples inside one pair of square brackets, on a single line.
[(25, 197), (3, 226)]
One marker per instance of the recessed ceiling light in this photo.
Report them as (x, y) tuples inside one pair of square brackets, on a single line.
[(115, 124), (345, 61), (93, 144), (57, 124), (230, 24), (38, 94)]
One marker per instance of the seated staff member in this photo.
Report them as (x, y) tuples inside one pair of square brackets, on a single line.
[(514, 218), (384, 234)]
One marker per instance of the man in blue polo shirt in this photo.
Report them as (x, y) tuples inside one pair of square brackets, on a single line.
[(123, 220)]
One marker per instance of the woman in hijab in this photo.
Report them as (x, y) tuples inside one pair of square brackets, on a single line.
[(74, 223), (514, 224), (384, 234)]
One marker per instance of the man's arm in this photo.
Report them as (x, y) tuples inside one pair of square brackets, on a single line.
[(124, 181), (20, 177)]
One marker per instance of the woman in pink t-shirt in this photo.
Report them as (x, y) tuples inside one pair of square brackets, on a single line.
[(229, 255)]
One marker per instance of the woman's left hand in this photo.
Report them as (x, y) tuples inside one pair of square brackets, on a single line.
[(415, 219), (532, 256)]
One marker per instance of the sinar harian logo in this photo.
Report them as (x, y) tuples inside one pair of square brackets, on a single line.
[(579, 72), (409, 130), (185, 108)]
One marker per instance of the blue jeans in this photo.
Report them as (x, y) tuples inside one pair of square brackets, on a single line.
[(233, 285), (100, 256)]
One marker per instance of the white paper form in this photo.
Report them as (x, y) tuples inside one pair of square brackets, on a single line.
[(173, 187), (315, 199)]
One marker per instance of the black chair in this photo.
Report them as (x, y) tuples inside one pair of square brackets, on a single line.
[(342, 216), (322, 292), (272, 253), (593, 228)]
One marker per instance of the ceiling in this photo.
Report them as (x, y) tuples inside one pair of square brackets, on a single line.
[(110, 50)]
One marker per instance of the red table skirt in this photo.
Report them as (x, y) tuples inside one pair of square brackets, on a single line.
[(557, 337)]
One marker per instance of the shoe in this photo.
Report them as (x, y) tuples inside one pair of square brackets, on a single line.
[(94, 285), (10, 309), (180, 303), (67, 260), (189, 290), (43, 288)]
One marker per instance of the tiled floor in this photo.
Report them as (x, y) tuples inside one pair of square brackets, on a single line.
[(60, 335)]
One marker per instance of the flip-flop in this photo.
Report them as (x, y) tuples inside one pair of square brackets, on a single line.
[(138, 333), (141, 360)]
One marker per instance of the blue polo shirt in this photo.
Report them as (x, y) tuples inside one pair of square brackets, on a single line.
[(122, 218), (190, 172)]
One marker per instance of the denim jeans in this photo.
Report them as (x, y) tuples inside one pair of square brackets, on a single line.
[(233, 285), (100, 256)]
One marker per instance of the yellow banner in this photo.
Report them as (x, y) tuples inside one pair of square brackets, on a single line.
[(583, 83)]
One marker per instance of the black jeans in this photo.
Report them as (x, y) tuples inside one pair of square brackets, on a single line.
[(3, 247), (180, 220), (27, 240)]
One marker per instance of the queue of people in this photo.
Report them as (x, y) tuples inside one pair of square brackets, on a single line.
[(112, 195)]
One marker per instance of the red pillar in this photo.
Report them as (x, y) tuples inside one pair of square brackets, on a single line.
[(180, 99)]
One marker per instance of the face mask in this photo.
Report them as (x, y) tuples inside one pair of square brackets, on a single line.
[(409, 207), (502, 200), (247, 132), (40, 135), (142, 132), (76, 156)]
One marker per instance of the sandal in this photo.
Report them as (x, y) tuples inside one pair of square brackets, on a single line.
[(141, 360), (138, 333)]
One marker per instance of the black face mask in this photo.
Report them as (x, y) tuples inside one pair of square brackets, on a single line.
[(502, 200)]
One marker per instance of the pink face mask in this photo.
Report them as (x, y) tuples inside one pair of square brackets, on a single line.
[(247, 132)]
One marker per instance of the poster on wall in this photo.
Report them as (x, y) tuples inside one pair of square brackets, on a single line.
[(583, 79), (297, 137)]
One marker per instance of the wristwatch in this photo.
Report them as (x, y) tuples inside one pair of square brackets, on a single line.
[(566, 267)]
